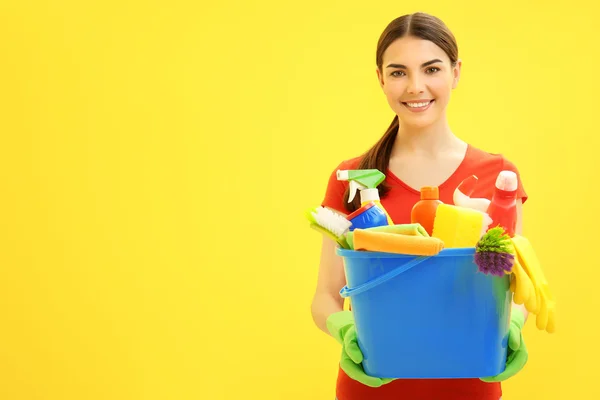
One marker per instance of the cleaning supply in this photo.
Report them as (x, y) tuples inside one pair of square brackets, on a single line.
[(392, 293), (404, 229), (458, 226), (370, 240), (494, 253), (517, 354), (329, 223), (544, 304), (522, 287), (368, 216), (342, 327), (365, 180), (462, 195), (503, 207), (423, 212)]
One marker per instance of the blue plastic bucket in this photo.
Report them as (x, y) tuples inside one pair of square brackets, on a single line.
[(427, 317)]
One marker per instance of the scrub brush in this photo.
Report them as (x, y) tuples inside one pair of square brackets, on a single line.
[(329, 223), (495, 253)]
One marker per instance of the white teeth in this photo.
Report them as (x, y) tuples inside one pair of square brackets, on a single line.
[(416, 105)]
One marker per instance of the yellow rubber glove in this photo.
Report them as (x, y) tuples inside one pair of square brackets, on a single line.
[(546, 316), (544, 300), (522, 287)]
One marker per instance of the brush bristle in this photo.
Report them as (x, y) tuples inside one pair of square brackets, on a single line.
[(331, 221), (494, 263)]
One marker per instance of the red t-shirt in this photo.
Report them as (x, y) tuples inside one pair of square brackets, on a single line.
[(399, 202)]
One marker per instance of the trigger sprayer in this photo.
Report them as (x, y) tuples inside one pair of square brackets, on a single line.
[(365, 181)]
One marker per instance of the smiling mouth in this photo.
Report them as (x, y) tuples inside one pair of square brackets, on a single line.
[(417, 106)]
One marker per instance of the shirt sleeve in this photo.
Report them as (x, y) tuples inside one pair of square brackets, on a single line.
[(509, 166), (334, 193)]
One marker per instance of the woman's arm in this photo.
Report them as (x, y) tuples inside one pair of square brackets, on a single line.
[(519, 231), (331, 280)]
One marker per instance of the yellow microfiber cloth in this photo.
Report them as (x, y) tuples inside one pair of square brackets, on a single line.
[(370, 240), (459, 226)]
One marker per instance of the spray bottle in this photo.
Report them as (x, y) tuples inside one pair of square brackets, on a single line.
[(365, 180)]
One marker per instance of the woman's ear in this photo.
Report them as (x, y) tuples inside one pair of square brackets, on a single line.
[(456, 73), (379, 77)]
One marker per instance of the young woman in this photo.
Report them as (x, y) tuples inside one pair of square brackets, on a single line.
[(417, 69)]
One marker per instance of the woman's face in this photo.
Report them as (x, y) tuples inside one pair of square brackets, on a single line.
[(417, 79)]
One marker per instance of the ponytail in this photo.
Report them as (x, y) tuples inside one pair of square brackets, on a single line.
[(377, 157)]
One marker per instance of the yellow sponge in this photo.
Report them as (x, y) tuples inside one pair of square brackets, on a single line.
[(459, 226)]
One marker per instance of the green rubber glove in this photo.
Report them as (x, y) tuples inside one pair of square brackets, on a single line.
[(341, 327), (517, 351)]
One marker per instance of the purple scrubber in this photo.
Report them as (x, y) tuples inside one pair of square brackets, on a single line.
[(495, 252), (491, 262)]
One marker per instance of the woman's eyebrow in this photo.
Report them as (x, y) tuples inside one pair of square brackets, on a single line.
[(422, 65)]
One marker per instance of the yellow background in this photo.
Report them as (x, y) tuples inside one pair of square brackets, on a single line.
[(157, 157)]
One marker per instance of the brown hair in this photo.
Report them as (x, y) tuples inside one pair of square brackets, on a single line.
[(422, 26)]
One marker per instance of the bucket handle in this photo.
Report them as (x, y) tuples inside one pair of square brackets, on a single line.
[(347, 292)]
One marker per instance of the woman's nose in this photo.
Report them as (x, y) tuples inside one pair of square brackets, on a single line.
[(415, 85)]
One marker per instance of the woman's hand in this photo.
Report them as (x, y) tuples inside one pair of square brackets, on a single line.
[(517, 351), (341, 327)]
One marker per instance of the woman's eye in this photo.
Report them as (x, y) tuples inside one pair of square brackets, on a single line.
[(397, 73), (431, 70)]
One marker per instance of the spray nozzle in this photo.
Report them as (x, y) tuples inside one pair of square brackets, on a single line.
[(360, 179)]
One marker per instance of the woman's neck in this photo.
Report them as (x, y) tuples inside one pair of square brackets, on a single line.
[(431, 141)]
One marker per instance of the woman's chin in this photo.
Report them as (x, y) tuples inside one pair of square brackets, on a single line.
[(416, 123)]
